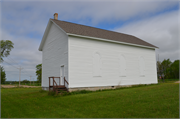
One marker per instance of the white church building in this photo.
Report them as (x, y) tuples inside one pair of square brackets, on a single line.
[(93, 58)]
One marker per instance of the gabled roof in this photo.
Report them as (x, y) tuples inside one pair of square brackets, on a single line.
[(83, 30), (96, 33)]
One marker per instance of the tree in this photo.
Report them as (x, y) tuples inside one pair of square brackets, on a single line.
[(169, 69), (39, 72), (165, 65), (25, 81), (3, 75), (6, 46), (159, 69), (175, 69)]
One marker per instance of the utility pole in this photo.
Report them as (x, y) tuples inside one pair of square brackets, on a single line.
[(19, 74), (30, 80), (33, 81)]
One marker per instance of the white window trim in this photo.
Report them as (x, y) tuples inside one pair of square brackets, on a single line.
[(100, 75), (123, 75), (142, 75)]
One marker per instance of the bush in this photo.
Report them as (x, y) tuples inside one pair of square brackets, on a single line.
[(25, 81), (81, 92), (64, 93), (42, 91), (51, 93), (3, 75)]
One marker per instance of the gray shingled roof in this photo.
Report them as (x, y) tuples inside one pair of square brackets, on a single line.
[(99, 33)]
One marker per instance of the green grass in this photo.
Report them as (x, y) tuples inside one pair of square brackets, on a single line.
[(152, 101)]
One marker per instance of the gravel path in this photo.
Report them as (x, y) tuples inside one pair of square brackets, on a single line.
[(13, 86), (177, 82)]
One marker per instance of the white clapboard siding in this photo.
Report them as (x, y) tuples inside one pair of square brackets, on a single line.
[(54, 55), (119, 64)]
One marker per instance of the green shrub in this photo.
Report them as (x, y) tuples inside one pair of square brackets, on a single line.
[(64, 93), (81, 92), (51, 93), (42, 91)]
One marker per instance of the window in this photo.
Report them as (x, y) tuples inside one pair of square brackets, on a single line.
[(122, 61), (141, 66), (96, 64)]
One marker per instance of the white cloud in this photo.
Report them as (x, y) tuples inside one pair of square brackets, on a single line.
[(32, 16), (98, 11), (161, 31)]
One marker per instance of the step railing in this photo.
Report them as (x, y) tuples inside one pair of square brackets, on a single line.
[(66, 82), (55, 85)]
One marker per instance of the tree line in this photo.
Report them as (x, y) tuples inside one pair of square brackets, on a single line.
[(168, 69)]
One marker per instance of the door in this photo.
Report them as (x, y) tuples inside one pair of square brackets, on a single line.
[(62, 75)]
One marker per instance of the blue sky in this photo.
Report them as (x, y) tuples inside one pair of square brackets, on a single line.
[(24, 22)]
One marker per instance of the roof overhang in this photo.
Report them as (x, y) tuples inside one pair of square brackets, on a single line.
[(107, 40), (82, 36), (46, 33)]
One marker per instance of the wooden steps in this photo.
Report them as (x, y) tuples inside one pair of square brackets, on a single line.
[(61, 88), (58, 88)]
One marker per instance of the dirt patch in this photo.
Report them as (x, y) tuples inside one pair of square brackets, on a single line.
[(8, 86), (13, 86), (30, 86), (177, 82)]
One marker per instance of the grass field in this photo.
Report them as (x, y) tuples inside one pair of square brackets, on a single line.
[(152, 101)]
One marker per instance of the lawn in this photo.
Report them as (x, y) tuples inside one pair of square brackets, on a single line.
[(152, 101)]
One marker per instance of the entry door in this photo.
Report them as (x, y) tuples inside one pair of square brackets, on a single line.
[(62, 75)]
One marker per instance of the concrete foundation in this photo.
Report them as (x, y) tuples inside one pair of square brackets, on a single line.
[(97, 88), (45, 88), (92, 88)]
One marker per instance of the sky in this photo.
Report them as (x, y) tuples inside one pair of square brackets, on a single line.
[(24, 22)]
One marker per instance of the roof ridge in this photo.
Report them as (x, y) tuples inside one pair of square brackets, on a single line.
[(94, 27)]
